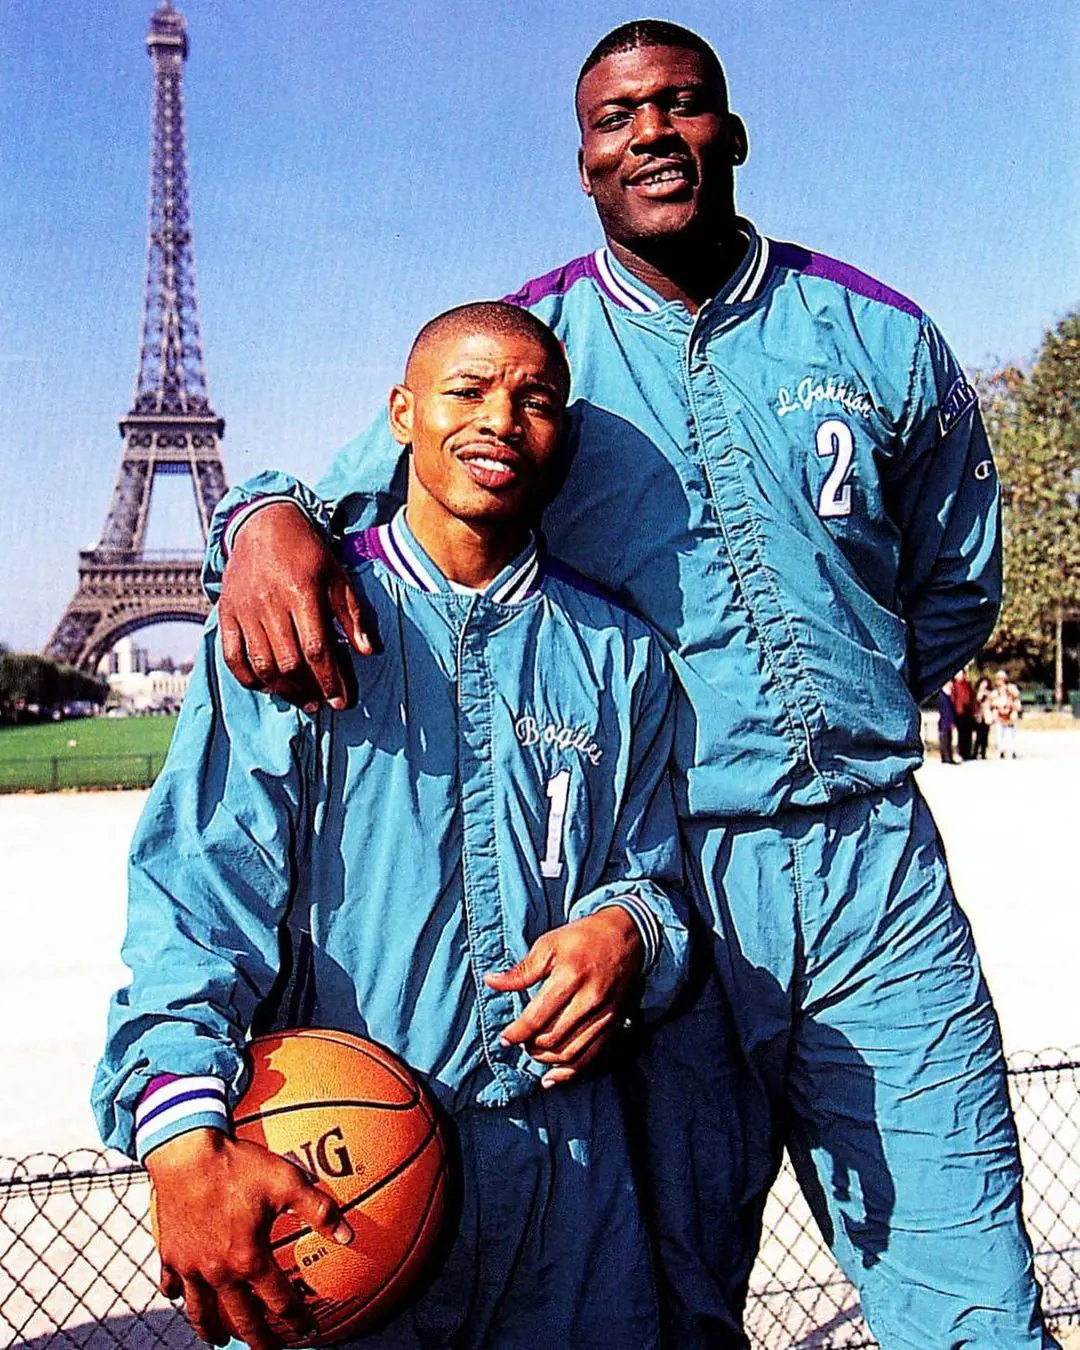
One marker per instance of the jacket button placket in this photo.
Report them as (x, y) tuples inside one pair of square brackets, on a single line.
[(480, 869)]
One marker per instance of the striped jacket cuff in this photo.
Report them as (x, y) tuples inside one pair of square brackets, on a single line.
[(173, 1105), (245, 512), (647, 924)]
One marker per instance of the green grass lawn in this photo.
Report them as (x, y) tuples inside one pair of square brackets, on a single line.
[(84, 752)]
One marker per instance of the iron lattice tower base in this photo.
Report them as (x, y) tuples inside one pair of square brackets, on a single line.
[(171, 427), (122, 587)]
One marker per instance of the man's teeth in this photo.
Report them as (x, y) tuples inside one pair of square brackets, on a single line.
[(664, 176), (496, 465)]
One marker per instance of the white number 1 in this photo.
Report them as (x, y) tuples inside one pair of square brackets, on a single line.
[(558, 790), (834, 438)]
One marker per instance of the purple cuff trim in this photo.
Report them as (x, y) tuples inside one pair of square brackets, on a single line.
[(243, 512), (830, 269), (556, 282), (239, 511), (162, 1080), (196, 1094)]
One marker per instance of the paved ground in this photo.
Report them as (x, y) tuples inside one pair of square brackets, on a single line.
[(1010, 827), (63, 914), (1011, 830)]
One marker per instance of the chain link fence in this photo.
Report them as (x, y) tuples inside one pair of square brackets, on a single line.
[(54, 773), (799, 1298), (78, 1269)]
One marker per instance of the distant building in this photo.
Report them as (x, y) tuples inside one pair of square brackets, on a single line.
[(125, 659), (147, 690)]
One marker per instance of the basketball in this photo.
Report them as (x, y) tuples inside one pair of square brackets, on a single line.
[(354, 1118)]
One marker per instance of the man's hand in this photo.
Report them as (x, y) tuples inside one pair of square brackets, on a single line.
[(589, 969), (215, 1200), (280, 593)]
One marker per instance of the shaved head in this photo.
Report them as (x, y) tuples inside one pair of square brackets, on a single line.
[(482, 413), (499, 319)]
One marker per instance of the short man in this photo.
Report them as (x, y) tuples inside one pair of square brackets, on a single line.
[(494, 813), (779, 463)]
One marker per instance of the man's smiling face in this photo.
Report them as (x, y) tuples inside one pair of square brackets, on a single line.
[(658, 144), (484, 413)]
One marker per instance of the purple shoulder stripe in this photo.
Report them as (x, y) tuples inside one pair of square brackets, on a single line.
[(557, 282), (818, 265), (363, 547)]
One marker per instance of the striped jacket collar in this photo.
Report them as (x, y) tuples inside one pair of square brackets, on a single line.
[(397, 548), (745, 284)]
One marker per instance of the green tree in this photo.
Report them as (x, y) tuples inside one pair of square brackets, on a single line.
[(26, 678), (1033, 418)]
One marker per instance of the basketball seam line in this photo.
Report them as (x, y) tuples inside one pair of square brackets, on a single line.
[(350, 1041), (433, 1130), (343, 1101), (354, 1312)]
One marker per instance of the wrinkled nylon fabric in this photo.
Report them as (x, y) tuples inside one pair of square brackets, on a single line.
[(795, 488), (870, 1049), (397, 847)]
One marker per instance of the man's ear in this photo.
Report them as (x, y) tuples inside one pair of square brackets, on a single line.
[(400, 412), (583, 173), (738, 139)]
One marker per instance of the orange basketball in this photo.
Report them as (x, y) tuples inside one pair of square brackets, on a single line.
[(353, 1117)]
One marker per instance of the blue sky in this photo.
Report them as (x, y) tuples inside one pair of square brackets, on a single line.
[(355, 167)]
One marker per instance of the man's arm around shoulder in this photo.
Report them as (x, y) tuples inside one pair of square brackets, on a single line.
[(269, 564)]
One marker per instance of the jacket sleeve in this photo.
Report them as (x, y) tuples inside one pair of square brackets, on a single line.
[(210, 879), (945, 499), (364, 485), (644, 873)]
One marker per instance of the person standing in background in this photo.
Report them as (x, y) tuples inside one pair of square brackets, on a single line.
[(1005, 701), (984, 717), (946, 724), (963, 701)]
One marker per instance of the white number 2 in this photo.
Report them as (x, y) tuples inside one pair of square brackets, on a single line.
[(558, 790), (834, 438)]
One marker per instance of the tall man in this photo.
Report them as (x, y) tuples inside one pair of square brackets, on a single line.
[(777, 460)]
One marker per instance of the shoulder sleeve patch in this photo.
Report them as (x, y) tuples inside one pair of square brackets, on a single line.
[(955, 403)]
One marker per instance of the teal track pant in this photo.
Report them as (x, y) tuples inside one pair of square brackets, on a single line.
[(852, 1025)]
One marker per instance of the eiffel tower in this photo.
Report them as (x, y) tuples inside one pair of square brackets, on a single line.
[(171, 427)]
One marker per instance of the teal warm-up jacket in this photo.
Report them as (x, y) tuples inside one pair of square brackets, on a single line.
[(504, 769), (794, 486)]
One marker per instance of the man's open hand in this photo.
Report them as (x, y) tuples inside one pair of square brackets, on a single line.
[(281, 591), (215, 1200), (589, 970)]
